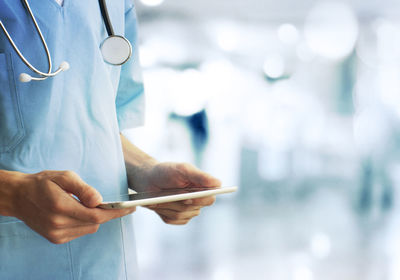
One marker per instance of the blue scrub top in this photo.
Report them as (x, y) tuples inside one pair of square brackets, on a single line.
[(69, 122)]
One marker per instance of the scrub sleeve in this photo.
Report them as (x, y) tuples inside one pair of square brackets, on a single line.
[(69, 122), (130, 101)]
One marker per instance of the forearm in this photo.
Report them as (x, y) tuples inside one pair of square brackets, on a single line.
[(137, 162)]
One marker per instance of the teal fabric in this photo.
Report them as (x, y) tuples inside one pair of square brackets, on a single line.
[(69, 122)]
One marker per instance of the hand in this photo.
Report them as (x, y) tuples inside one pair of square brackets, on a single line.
[(176, 175), (45, 203)]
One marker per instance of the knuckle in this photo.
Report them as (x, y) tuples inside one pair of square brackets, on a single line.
[(183, 166), (69, 174), (182, 222), (211, 200), (56, 206), (41, 177), (94, 229), (86, 191), (96, 219), (43, 173), (55, 223), (54, 237), (166, 220), (178, 216), (186, 208), (180, 165), (60, 241), (208, 201)]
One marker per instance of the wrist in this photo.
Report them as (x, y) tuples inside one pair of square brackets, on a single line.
[(10, 185), (139, 165), (138, 174)]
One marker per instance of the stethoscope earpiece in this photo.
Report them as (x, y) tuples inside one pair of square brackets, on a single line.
[(26, 78), (64, 66)]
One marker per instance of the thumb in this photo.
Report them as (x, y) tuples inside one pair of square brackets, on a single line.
[(201, 178), (70, 182)]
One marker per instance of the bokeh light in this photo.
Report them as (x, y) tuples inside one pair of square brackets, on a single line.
[(331, 30), (288, 33), (152, 3)]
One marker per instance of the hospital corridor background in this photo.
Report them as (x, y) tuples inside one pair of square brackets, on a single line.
[(298, 104)]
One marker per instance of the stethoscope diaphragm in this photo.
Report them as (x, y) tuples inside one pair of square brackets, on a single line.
[(116, 50)]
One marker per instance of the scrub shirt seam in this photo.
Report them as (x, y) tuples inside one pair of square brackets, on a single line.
[(17, 107), (71, 261), (123, 247), (57, 6), (129, 9)]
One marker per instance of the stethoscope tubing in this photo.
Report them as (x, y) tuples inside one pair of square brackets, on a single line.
[(34, 69), (106, 17)]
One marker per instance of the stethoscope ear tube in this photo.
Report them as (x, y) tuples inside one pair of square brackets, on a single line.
[(26, 77)]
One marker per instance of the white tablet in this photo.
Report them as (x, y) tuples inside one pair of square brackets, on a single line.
[(163, 196)]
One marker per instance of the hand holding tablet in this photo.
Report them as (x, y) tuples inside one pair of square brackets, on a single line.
[(163, 196)]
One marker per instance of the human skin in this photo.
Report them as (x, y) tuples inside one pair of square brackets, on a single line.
[(44, 201), (145, 173)]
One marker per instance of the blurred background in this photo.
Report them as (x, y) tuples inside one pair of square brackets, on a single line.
[(297, 103)]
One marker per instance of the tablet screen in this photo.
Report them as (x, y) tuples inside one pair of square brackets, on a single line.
[(162, 196), (160, 193)]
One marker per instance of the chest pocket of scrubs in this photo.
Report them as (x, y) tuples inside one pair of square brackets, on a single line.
[(11, 126)]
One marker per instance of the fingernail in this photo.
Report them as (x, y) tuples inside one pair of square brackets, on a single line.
[(188, 202)]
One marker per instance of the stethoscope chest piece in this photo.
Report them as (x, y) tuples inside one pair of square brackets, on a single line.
[(116, 50)]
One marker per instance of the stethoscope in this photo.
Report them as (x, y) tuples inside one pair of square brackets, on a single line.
[(116, 49)]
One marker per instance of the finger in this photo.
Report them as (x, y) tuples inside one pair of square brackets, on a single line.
[(61, 236), (74, 209), (64, 205), (58, 222), (176, 215), (174, 222), (62, 221), (177, 206), (202, 201), (100, 216), (70, 182)]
